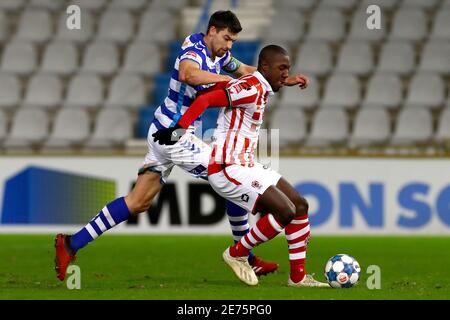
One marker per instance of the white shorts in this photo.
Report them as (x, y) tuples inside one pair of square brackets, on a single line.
[(190, 153), (243, 185)]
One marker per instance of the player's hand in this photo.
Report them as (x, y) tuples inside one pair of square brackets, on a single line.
[(301, 80), (169, 136)]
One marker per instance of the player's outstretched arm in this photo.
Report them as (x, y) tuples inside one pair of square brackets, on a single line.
[(170, 136)]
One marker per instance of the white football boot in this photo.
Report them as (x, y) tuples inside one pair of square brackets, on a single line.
[(308, 281), (241, 268)]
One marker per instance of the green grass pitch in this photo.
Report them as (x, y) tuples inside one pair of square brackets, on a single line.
[(191, 267)]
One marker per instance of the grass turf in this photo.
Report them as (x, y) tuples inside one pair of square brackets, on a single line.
[(191, 267)]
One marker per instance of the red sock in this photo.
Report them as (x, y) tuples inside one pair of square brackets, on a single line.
[(297, 234), (265, 229)]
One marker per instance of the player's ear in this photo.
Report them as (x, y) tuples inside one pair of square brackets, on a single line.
[(265, 66), (212, 30)]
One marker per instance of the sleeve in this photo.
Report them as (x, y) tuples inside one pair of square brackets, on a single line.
[(215, 98), (193, 55), (241, 94), (231, 64)]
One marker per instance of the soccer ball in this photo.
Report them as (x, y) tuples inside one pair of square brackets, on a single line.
[(342, 271)]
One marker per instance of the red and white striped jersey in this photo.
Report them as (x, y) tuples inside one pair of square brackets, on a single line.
[(236, 135)]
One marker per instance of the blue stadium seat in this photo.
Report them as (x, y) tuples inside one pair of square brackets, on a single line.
[(174, 50), (209, 120), (145, 118), (162, 81), (245, 51)]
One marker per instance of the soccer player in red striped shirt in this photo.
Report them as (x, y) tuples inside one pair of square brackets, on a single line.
[(235, 175)]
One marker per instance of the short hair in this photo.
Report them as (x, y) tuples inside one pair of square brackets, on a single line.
[(224, 19), (268, 52)]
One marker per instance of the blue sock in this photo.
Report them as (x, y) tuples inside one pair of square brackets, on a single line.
[(112, 214), (238, 218)]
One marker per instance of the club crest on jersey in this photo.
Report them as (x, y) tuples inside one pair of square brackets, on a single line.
[(256, 184)]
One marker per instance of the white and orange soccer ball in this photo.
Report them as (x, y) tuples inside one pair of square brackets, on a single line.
[(342, 271)]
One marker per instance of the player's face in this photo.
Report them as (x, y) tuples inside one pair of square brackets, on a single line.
[(222, 41), (278, 72)]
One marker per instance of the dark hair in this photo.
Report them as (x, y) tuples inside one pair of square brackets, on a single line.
[(268, 52), (224, 19)]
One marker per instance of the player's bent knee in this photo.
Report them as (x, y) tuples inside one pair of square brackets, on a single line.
[(287, 214), (302, 207), (146, 188)]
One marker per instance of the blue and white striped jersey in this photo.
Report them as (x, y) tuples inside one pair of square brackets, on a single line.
[(181, 95)]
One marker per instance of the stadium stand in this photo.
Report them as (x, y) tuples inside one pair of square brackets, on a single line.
[(369, 88)]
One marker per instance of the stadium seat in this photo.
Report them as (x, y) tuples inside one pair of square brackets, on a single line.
[(112, 128), (174, 50), (91, 5), (10, 91), (429, 4), (445, 4), (4, 27), (150, 26), (291, 124), (126, 91), (78, 36), (326, 25), (287, 26), (101, 58), (425, 90), (397, 57), (60, 58), (441, 25), (371, 127), (443, 130), (313, 58), (132, 5), (29, 126), (389, 85), (34, 26), (356, 58), (44, 91), (12, 5), (338, 4), (384, 4), (245, 51), (173, 5), (116, 26), (359, 30), (142, 58), (295, 98), (51, 5), (3, 126), (162, 81), (329, 127), (342, 90), (20, 58), (145, 118), (409, 24), (295, 4), (284, 44), (84, 91), (71, 127), (209, 123), (414, 125), (435, 57)]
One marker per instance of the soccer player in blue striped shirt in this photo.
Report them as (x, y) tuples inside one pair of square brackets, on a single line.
[(196, 69)]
